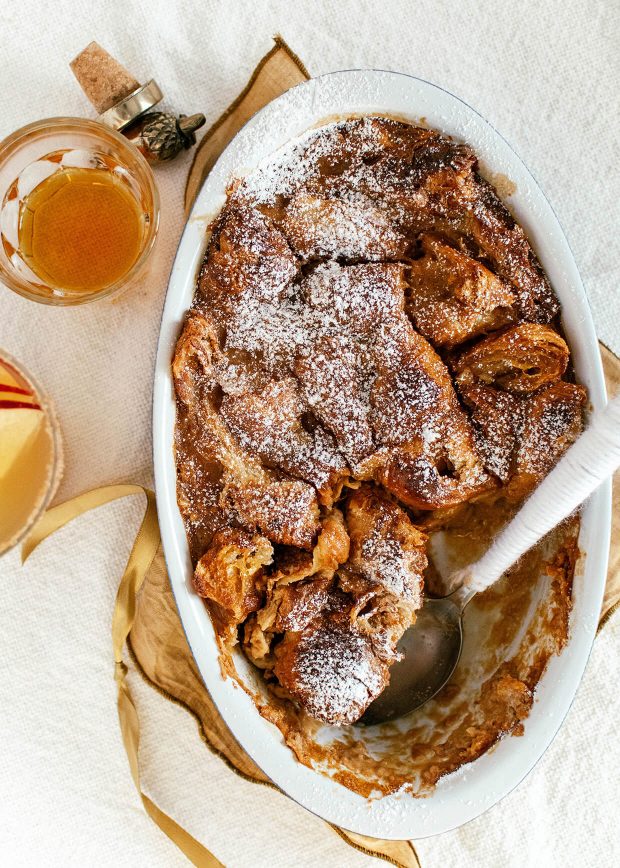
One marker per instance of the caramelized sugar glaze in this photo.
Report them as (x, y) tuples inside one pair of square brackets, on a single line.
[(371, 366)]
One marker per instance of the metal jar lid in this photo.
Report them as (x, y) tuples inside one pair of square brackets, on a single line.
[(132, 106)]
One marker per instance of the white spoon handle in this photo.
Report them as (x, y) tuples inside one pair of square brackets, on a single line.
[(593, 457)]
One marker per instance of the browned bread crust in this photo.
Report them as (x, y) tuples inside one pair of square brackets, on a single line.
[(520, 359), (372, 340)]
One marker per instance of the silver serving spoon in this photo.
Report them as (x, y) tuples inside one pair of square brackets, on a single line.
[(432, 647)]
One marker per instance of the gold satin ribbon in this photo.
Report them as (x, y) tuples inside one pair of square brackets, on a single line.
[(138, 565)]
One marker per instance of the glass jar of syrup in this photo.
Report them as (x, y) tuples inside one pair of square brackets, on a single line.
[(79, 211)]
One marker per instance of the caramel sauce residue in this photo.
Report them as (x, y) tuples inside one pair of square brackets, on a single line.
[(504, 185), (81, 229)]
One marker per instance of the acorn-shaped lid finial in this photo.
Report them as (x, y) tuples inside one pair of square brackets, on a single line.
[(122, 103)]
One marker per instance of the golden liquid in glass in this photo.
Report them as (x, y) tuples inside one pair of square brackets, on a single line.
[(81, 229)]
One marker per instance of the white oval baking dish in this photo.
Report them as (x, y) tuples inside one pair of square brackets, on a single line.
[(462, 796)]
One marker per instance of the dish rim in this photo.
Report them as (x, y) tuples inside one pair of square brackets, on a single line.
[(419, 817)]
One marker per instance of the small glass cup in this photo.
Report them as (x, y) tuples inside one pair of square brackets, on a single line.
[(29, 486), (31, 143)]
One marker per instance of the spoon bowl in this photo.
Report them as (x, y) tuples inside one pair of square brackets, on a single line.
[(431, 649)]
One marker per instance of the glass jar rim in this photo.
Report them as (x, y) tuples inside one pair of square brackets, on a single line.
[(59, 121)]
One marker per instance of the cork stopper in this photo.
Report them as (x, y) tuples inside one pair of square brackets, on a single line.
[(103, 79)]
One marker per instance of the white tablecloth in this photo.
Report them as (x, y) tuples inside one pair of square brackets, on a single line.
[(546, 75)]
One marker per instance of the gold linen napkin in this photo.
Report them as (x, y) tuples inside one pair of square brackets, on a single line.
[(278, 71), (611, 600), (145, 615)]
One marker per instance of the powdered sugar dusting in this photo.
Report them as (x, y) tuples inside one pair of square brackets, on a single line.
[(314, 381), (338, 674)]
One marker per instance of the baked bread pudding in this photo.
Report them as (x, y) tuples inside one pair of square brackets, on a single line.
[(372, 356)]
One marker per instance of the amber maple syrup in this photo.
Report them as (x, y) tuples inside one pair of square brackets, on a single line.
[(81, 227)]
